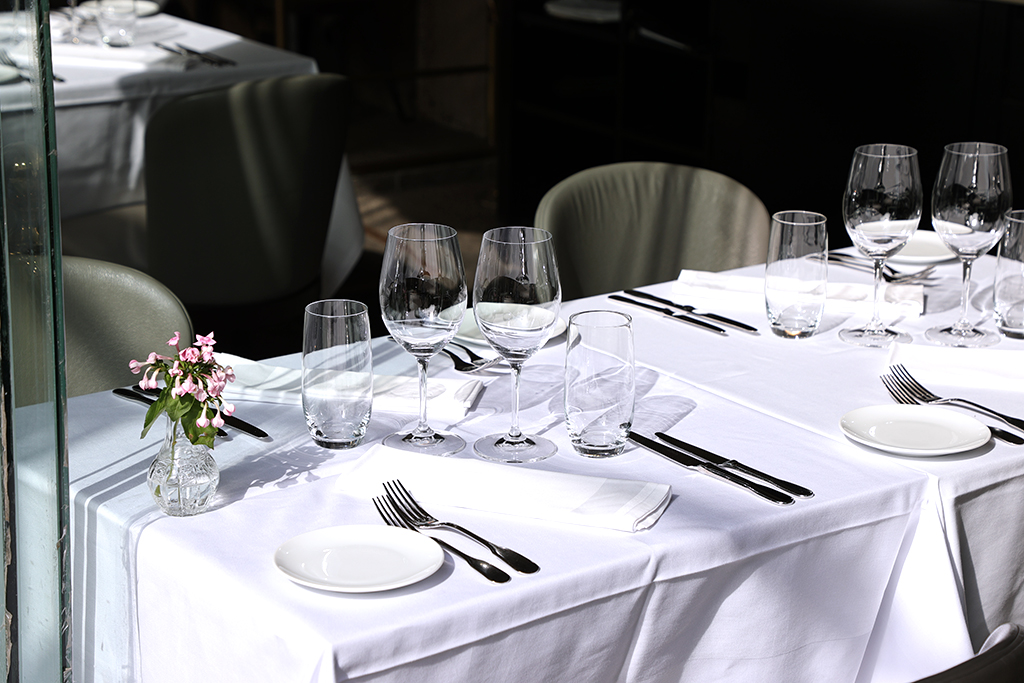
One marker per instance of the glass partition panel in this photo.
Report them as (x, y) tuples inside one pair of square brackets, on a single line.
[(36, 599)]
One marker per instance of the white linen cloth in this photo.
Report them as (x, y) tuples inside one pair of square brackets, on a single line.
[(447, 399), (619, 504), (992, 368), (744, 291)]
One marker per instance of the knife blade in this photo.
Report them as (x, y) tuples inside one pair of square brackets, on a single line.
[(682, 317), (230, 420), (145, 400), (692, 311), (721, 461), (687, 460), (208, 57)]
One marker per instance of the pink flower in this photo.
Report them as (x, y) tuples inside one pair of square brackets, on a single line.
[(189, 386), (217, 421), (173, 341), (205, 341), (228, 408), (203, 421), (189, 354), (135, 366)]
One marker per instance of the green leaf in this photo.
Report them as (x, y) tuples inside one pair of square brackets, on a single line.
[(196, 434), (155, 409)]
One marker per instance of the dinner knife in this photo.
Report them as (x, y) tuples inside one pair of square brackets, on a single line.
[(687, 460), (231, 420), (208, 57), (145, 400), (690, 309), (682, 317), (722, 461)]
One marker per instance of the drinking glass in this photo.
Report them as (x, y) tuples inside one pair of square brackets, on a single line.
[(970, 202), (516, 299), (881, 210), (600, 384), (796, 273), (337, 372), (116, 21), (423, 300), (1008, 291)]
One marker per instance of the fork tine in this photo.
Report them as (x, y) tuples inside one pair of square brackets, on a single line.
[(390, 514), (401, 505), (410, 502), (911, 384), (897, 391)]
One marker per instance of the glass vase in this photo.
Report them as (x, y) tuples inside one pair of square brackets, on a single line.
[(184, 476)]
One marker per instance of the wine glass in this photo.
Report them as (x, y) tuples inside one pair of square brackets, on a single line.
[(516, 298), (970, 203), (423, 300), (881, 210)]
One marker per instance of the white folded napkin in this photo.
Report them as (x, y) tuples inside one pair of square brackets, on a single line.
[(618, 504), (140, 58), (745, 292), (449, 399), (1000, 369)]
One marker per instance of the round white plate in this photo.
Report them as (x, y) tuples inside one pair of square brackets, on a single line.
[(359, 558), (921, 431), (143, 8), (9, 74), (923, 248), (469, 333)]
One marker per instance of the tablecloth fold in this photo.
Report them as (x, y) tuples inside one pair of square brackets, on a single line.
[(448, 399), (618, 504)]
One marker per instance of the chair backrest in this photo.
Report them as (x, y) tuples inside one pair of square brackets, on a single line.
[(113, 314), (240, 183), (634, 223), (1000, 660)]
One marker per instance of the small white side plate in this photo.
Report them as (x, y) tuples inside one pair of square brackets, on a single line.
[(359, 558), (923, 248), (921, 431), (143, 8), (469, 332)]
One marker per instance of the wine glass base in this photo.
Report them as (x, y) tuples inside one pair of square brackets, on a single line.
[(435, 444), (874, 338), (968, 338), (498, 448)]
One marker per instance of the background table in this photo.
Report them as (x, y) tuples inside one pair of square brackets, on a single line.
[(869, 580), (102, 107)]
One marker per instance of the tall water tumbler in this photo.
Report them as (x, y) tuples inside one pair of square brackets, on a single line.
[(1008, 294), (600, 387), (337, 372), (796, 274)]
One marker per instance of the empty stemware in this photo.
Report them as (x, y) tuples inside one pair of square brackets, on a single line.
[(881, 210), (970, 204), (423, 300), (516, 299)]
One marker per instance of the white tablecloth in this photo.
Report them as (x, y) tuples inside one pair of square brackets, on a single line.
[(108, 95), (869, 580)]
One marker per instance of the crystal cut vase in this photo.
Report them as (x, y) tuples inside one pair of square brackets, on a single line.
[(183, 478)]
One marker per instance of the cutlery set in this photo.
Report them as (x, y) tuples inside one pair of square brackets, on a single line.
[(398, 508), (723, 468), (208, 58), (889, 274), (687, 314), (903, 388)]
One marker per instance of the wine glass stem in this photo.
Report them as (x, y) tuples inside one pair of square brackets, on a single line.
[(962, 324), (876, 318), (514, 435), (422, 429)]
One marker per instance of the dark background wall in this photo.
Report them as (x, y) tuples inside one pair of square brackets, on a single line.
[(775, 94)]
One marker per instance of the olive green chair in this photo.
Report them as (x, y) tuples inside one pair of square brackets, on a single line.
[(634, 223), (112, 315)]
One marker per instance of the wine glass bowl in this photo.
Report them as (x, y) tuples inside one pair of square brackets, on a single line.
[(881, 210), (971, 201), (516, 300), (423, 300)]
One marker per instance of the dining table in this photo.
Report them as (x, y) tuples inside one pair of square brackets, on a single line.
[(103, 98), (896, 568)]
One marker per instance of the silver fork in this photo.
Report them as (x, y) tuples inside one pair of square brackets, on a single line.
[(901, 395), (419, 517), (470, 366), (388, 511), (917, 390), (889, 274)]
